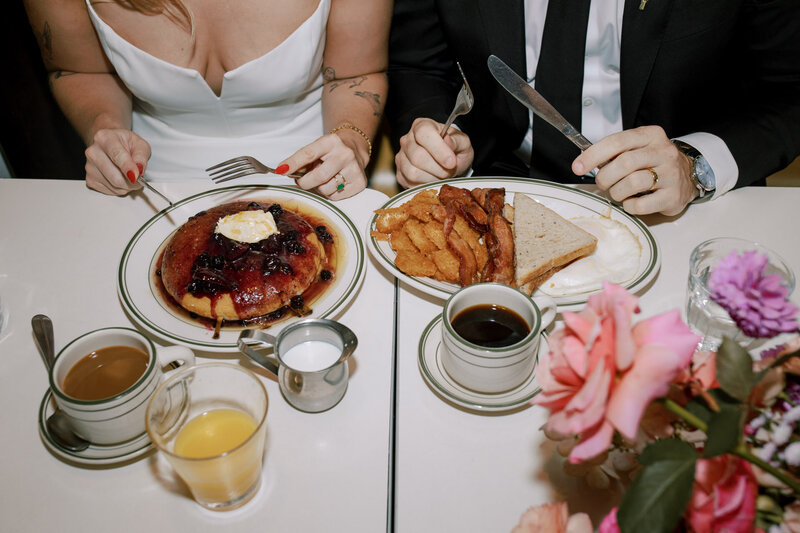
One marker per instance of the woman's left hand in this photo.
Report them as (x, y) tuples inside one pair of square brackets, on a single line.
[(645, 171), (332, 164)]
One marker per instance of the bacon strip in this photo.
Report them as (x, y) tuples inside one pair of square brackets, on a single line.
[(466, 205), (468, 268), (499, 241)]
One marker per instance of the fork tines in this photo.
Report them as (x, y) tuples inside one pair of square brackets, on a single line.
[(231, 169), (240, 159)]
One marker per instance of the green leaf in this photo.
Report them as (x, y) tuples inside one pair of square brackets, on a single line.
[(658, 496), (724, 429), (735, 370)]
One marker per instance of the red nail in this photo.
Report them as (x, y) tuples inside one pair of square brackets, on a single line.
[(131, 176), (141, 168), (283, 169)]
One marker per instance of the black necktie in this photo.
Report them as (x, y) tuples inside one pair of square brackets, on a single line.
[(559, 78)]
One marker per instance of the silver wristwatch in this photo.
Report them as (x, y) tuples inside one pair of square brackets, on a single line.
[(702, 175)]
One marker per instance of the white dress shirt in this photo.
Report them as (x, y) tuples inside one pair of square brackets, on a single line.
[(602, 111)]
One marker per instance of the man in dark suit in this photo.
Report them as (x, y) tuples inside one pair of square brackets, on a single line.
[(722, 76)]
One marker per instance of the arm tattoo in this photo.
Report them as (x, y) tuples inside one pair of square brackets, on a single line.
[(350, 82), (374, 100), (328, 74), (46, 37)]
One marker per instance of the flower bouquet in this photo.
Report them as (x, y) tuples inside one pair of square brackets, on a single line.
[(704, 441)]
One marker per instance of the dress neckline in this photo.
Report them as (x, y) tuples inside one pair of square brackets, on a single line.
[(194, 73)]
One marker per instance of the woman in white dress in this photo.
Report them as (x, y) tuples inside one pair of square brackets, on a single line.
[(171, 87)]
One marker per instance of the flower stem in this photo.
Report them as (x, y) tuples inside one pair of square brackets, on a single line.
[(684, 414), (740, 450)]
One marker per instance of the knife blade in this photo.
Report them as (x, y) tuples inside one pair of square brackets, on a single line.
[(146, 183), (519, 89)]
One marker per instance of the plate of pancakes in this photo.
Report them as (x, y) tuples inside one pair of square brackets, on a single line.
[(239, 257), (566, 241)]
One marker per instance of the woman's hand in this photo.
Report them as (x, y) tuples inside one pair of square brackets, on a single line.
[(334, 165), (425, 156), (635, 157), (114, 161)]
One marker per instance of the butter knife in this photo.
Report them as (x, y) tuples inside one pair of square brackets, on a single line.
[(153, 189), (519, 89)]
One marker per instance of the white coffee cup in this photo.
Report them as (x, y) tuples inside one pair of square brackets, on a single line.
[(493, 369), (120, 417)]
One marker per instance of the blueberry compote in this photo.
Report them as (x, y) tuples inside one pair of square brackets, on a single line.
[(281, 274)]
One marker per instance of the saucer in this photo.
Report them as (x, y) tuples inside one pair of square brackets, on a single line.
[(430, 365), (95, 454)]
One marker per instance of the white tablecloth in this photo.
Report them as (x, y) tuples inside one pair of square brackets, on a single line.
[(466, 472), (60, 246)]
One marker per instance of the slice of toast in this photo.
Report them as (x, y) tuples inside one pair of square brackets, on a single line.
[(544, 242)]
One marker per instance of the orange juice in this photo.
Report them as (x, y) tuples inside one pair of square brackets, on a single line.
[(214, 432), (219, 455)]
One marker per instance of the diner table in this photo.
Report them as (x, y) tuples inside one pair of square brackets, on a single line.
[(60, 249), (392, 456), (465, 471)]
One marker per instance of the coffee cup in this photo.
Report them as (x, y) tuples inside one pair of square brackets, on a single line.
[(103, 379), (491, 334), (310, 360)]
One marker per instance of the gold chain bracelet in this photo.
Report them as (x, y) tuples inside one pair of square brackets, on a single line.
[(348, 126)]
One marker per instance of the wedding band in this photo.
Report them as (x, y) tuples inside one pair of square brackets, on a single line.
[(655, 179), (339, 180)]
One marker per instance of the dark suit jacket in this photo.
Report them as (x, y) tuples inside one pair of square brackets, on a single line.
[(727, 67)]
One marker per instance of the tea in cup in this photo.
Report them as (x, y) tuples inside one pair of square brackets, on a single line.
[(209, 421), (103, 379), (491, 334), (310, 360)]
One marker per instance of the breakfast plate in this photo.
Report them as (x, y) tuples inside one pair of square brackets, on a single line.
[(146, 302), (94, 455), (430, 366), (567, 201)]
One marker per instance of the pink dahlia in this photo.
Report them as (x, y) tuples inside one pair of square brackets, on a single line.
[(756, 302)]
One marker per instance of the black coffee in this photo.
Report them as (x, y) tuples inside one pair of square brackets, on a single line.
[(491, 326)]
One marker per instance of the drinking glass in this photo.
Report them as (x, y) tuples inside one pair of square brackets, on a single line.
[(703, 315), (209, 422)]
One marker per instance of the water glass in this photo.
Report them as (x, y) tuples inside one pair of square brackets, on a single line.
[(703, 315), (209, 422)]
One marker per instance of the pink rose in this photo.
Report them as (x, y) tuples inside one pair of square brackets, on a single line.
[(724, 496), (602, 372), (609, 523), (552, 518)]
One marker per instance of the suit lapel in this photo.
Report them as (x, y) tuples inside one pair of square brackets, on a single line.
[(642, 32), (504, 27)]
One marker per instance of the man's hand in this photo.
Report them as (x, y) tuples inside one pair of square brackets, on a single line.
[(627, 176), (424, 156)]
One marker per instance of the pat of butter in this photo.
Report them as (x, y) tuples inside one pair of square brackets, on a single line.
[(247, 226)]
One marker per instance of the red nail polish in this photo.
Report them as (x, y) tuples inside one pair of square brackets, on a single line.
[(141, 168), (131, 176), (283, 169)]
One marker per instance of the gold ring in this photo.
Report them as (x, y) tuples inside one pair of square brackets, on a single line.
[(655, 179), (339, 180)]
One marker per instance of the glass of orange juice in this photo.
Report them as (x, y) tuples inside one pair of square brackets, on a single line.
[(209, 422)]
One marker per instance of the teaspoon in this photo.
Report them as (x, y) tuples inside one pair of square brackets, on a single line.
[(58, 425)]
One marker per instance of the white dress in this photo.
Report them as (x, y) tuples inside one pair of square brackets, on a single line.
[(190, 128)]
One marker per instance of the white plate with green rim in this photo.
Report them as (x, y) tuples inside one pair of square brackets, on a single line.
[(565, 200), (94, 455), (432, 370), (144, 300)]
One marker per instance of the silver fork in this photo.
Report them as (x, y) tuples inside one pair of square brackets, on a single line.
[(464, 102), (239, 167)]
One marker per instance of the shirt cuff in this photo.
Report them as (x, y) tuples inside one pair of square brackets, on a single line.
[(719, 157)]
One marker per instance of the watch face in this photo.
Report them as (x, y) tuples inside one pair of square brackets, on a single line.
[(704, 173)]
